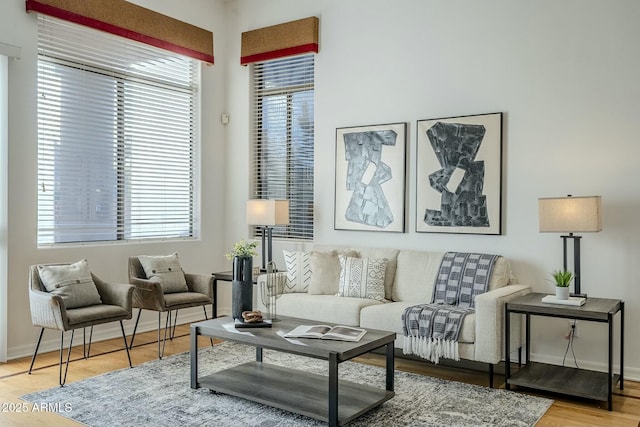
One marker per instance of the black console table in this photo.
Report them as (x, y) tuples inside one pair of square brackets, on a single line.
[(561, 379)]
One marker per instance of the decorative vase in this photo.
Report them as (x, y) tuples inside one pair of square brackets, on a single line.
[(271, 290), (242, 286), (562, 293)]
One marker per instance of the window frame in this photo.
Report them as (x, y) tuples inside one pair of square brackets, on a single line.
[(301, 227), (124, 223)]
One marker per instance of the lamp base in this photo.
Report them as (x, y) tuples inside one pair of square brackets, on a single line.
[(578, 295)]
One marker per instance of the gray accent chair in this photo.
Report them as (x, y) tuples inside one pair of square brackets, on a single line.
[(148, 295), (49, 311)]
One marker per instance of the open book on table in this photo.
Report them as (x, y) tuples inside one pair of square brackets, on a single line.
[(341, 333)]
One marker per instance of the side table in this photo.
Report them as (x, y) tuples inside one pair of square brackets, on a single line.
[(225, 276), (561, 379)]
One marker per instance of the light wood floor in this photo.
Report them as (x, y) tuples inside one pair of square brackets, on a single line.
[(110, 355)]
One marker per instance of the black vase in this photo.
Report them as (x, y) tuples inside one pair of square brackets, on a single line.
[(242, 286)]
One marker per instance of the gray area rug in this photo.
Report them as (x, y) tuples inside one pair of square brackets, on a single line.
[(158, 393)]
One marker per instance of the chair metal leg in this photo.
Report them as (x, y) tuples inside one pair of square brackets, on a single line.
[(124, 337), (35, 353), (62, 380), (84, 344), (175, 322), (490, 375), (167, 325), (206, 318), (135, 327), (159, 325)]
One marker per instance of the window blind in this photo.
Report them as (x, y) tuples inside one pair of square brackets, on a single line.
[(283, 131), (117, 135), (134, 22)]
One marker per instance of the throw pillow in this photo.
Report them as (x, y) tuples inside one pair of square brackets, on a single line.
[(165, 270), (325, 272), (362, 277), (298, 265), (72, 282)]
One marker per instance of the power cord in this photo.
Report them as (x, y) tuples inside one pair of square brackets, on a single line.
[(570, 337)]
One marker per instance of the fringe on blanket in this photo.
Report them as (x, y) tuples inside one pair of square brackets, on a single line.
[(431, 349)]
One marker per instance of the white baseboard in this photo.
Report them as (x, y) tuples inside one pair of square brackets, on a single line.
[(148, 322), (632, 374)]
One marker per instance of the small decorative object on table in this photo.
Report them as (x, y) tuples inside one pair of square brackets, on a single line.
[(562, 280), (242, 277), (272, 290), (252, 319)]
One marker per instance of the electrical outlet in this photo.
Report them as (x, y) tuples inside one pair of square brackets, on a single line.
[(573, 328)]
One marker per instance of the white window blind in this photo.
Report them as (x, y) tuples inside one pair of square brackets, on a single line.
[(116, 137), (283, 130)]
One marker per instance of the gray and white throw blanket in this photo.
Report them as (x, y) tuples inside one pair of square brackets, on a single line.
[(431, 331)]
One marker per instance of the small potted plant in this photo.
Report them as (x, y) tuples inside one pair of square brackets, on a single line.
[(242, 277), (562, 279), (243, 249)]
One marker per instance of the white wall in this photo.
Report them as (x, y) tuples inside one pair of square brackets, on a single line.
[(563, 73), (205, 255)]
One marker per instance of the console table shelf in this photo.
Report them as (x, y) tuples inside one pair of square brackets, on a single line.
[(561, 379)]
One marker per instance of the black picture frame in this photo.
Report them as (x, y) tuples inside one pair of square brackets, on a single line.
[(459, 175), (370, 178)]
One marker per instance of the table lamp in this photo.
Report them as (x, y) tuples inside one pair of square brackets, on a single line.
[(266, 213), (570, 215)]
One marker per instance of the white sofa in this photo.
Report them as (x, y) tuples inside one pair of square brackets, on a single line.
[(409, 280)]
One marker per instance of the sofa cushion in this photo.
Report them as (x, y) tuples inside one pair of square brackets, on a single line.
[(166, 270), (325, 271), (323, 308), (501, 274), (362, 277), (415, 275), (388, 317), (298, 266), (72, 282), (391, 255)]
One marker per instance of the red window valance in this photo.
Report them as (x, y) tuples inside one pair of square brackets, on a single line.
[(277, 41), (133, 22)]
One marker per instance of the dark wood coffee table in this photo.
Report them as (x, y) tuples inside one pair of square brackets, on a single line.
[(321, 397)]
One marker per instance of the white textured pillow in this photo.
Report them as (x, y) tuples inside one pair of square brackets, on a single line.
[(72, 282), (165, 270), (362, 277), (298, 271)]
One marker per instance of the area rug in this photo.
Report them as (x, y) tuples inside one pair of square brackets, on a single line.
[(158, 393)]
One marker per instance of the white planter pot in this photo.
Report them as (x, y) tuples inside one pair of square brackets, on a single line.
[(562, 293)]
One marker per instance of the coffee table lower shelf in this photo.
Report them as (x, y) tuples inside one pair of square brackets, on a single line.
[(295, 391)]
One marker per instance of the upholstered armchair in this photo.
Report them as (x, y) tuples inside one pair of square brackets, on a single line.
[(66, 297), (161, 285)]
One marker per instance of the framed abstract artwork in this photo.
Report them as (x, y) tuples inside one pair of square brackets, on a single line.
[(459, 175), (370, 178)]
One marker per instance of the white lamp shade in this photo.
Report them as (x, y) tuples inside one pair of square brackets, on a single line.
[(570, 214), (267, 212)]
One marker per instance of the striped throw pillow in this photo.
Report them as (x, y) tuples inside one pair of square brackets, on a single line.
[(298, 271)]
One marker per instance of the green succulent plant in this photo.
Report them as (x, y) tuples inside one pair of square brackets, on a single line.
[(562, 278), (243, 249)]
